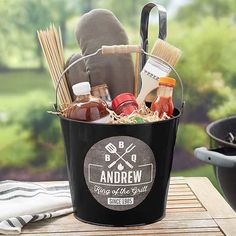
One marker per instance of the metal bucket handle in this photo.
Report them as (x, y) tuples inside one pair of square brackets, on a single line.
[(120, 49), (144, 26)]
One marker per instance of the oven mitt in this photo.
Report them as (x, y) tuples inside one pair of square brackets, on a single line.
[(96, 28)]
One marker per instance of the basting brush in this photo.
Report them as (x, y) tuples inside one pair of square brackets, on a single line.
[(154, 69)]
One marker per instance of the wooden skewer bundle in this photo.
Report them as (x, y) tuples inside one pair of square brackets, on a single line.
[(51, 43)]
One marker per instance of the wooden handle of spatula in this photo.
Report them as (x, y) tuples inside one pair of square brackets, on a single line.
[(120, 49)]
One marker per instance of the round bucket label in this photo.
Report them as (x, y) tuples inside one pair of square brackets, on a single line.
[(119, 172)]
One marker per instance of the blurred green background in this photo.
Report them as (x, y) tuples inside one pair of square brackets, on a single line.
[(31, 146)]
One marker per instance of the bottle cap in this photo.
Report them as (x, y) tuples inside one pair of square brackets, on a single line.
[(82, 88), (121, 98), (167, 81)]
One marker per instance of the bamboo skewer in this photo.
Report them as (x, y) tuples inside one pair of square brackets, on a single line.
[(58, 40), (57, 63), (52, 69), (55, 53), (59, 44), (50, 64), (136, 74), (52, 47)]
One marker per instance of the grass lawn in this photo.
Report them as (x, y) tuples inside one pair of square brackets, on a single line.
[(19, 89), (22, 82)]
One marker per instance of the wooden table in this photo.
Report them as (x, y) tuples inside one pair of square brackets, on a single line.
[(194, 208)]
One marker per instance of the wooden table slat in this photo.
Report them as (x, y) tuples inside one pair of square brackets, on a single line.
[(197, 205), (181, 190), (171, 186), (181, 197), (180, 193), (182, 201), (70, 219), (167, 225), (187, 209), (138, 233)]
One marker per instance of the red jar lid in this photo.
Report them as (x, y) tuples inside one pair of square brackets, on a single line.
[(121, 98)]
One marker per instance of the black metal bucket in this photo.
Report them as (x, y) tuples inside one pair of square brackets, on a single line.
[(119, 173), (119, 195)]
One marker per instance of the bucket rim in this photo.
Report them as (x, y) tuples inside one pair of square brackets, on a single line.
[(137, 124)]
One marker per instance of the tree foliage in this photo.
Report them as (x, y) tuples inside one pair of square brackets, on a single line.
[(129, 11), (191, 136), (198, 10), (22, 18), (45, 137), (207, 65)]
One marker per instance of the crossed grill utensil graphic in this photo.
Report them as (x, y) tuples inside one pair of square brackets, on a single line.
[(112, 149)]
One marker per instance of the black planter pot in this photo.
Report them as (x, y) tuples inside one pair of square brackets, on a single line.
[(222, 156)]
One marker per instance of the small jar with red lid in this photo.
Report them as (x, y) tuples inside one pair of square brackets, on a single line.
[(124, 104)]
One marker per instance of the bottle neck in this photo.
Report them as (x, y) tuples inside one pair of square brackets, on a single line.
[(165, 91), (83, 98)]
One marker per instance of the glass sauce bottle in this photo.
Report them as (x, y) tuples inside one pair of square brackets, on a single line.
[(163, 102), (101, 91), (86, 107), (124, 104)]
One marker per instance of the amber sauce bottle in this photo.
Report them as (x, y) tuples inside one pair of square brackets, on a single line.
[(86, 107)]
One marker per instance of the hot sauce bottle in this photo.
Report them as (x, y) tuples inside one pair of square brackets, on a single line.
[(87, 107), (163, 103)]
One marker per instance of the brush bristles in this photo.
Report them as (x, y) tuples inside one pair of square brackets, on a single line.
[(167, 52)]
